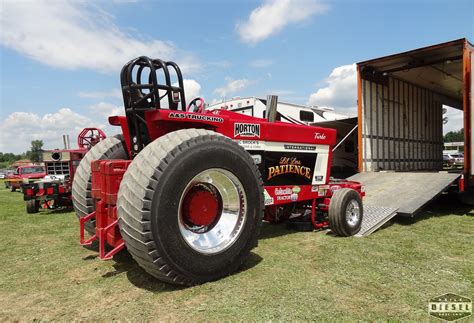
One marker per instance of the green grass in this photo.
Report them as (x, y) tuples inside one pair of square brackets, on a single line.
[(389, 275)]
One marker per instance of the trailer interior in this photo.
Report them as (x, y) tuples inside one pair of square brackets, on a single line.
[(400, 124)]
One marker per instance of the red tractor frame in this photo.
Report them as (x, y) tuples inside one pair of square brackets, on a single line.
[(54, 190), (186, 190)]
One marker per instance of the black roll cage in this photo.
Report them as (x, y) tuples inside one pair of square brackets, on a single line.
[(139, 97)]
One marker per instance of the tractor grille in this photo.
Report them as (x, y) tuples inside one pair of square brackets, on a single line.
[(57, 168)]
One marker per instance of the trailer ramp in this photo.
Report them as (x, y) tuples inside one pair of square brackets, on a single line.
[(398, 193), (374, 218)]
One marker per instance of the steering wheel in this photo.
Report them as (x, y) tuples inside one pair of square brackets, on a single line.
[(196, 105)]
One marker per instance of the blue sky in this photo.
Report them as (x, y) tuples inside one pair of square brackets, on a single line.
[(60, 60)]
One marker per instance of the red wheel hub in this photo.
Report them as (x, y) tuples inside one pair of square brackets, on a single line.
[(200, 206)]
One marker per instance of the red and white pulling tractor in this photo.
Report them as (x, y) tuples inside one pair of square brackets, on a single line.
[(54, 190), (185, 190)]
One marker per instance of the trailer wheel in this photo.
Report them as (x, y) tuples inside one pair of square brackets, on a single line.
[(109, 148), (345, 212), (190, 207), (32, 206)]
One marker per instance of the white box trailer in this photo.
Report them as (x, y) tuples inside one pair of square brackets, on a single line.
[(400, 124)]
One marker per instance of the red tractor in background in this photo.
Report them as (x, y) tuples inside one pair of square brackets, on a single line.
[(54, 189), (185, 190)]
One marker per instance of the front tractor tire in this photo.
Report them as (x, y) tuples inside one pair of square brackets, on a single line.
[(109, 148), (190, 207), (345, 212)]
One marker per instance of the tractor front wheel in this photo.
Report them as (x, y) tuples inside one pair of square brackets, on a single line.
[(190, 207), (109, 148), (345, 212), (32, 206)]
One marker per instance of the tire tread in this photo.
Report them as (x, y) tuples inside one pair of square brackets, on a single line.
[(135, 197)]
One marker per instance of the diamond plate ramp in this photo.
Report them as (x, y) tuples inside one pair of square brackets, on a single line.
[(374, 217), (406, 191), (398, 193)]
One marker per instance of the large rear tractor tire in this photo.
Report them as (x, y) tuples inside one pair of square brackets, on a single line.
[(345, 212), (190, 207), (109, 148), (32, 206)]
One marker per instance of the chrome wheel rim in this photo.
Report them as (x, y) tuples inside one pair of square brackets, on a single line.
[(353, 213), (225, 227)]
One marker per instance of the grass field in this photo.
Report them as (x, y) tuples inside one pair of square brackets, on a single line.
[(390, 275)]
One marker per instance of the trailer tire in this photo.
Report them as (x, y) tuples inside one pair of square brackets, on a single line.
[(345, 212), (32, 206), (155, 207), (109, 148)]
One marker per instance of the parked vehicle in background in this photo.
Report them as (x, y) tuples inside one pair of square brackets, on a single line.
[(448, 162), (2, 175), (23, 174), (457, 159), (286, 112)]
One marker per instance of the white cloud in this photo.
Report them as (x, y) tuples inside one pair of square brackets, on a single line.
[(273, 15), (105, 110), (232, 86), (20, 128), (113, 93), (192, 89), (340, 91), (455, 120), (260, 63), (76, 34)]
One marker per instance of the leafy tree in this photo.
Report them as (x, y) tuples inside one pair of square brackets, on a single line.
[(454, 136), (7, 159), (36, 152)]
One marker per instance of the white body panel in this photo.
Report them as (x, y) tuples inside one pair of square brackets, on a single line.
[(287, 112)]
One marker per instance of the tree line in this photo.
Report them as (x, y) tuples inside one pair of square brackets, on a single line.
[(35, 154), (454, 136)]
